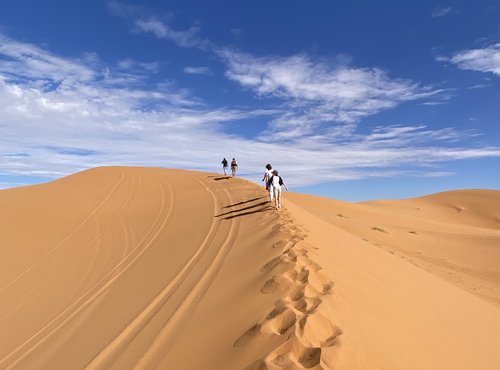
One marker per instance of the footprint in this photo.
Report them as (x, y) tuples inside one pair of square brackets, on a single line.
[(327, 288), (257, 365), (307, 305), (332, 340), (283, 261), (302, 323), (310, 358), (276, 312), (311, 292), (296, 296), (279, 244), (248, 335), (295, 316), (293, 251), (271, 264), (300, 305), (270, 286), (303, 276), (282, 323), (297, 238)]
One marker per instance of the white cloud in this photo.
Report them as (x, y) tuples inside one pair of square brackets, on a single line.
[(60, 115), (316, 91), (480, 86), (301, 78), (484, 60), (28, 62), (163, 31), (197, 70), (398, 136), (133, 65), (441, 12)]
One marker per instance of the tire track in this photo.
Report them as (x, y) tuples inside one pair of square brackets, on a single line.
[(103, 360), (51, 251), (165, 337), (88, 298)]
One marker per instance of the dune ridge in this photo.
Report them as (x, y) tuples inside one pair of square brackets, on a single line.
[(293, 312), (148, 268)]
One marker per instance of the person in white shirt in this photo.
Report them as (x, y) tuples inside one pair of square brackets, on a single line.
[(267, 177), (277, 182)]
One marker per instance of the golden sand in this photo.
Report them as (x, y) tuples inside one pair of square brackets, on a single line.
[(143, 268)]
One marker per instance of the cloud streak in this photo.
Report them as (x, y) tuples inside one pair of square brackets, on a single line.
[(483, 60), (162, 30), (59, 115), (441, 11), (319, 92), (315, 91), (198, 70)]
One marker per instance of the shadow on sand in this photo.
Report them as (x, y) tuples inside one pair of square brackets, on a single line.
[(219, 177), (254, 208), (244, 202), (263, 209)]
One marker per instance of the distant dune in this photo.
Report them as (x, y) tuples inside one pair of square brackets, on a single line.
[(143, 268)]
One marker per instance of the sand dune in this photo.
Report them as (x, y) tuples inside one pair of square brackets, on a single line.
[(121, 268)]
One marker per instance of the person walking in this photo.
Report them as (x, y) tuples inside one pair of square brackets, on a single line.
[(277, 182), (234, 166), (267, 178), (224, 165)]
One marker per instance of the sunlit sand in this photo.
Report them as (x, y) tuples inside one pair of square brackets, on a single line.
[(123, 267)]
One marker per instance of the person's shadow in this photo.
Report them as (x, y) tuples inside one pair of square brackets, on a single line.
[(247, 210)]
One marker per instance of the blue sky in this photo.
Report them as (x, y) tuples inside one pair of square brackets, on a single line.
[(366, 100)]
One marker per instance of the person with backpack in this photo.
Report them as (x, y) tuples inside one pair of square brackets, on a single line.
[(277, 182), (267, 178), (234, 166), (224, 165)]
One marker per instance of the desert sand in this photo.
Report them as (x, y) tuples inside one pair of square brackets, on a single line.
[(147, 268)]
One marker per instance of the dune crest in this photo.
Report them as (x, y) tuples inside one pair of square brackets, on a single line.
[(116, 268), (144, 268)]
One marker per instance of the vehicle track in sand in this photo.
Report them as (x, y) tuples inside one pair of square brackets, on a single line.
[(67, 238), (84, 303), (221, 238)]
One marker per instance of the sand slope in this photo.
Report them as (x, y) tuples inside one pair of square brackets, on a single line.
[(401, 271), (121, 268)]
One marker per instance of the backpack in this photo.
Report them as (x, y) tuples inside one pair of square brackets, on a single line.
[(234, 163), (280, 181)]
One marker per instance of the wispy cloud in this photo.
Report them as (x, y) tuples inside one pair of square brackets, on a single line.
[(399, 136), (480, 86), (317, 91), (59, 115), (441, 11), (197, 70), (162, 30), (312, 92), (484, 60), (137, 67)]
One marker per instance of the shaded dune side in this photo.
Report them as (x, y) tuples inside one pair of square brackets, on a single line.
[(117, 268)]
